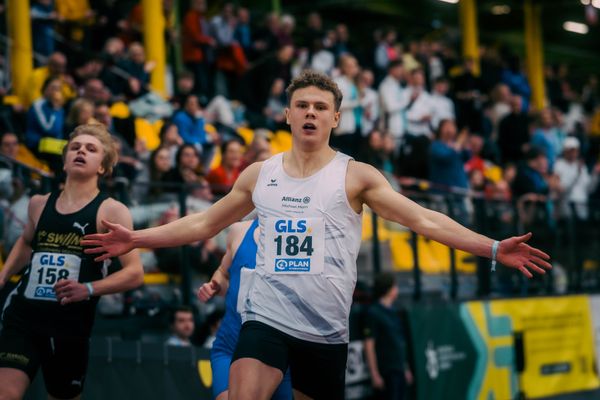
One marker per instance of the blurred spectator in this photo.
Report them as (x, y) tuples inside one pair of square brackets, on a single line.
[(576, 183), (56, 68), (322, 60), (287, 24), (259, 149), (342, 46), (95, 91), (369, 102), (9, 147), (160, 165), (447, 156), (347, 133), (45, 120), (442, 105), (189, 170), (190, 123), (516, 80), (532, 175), (379, 151), (170, 139), (76, 17), (81, 112), (224, 176), (137, 69), (275, 110), (43, 17), (467, 90), (384, 342), (230, 60), (182, 327), (500, 108), (548, 136), (385, 53), (267, 40), (313, 33), (183, 88), (394, 100), (513, 132), (417, 138), (258, 81), (243, 31), (198, 47)]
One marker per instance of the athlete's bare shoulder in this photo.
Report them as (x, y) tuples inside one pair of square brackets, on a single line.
[(236, 234), (359, 177), (248, 177), (114, 211), (36, 206)]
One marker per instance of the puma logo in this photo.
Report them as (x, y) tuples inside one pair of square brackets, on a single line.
[(78, 226)]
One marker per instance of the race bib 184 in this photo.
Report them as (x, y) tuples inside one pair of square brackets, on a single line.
[(294, 245), (46, 270)]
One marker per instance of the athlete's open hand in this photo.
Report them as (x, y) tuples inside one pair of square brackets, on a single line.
[(515, 253), (116, 242), (208, 290), (68, 291)]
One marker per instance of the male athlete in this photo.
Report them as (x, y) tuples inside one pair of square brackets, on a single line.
[(48, 318), (309, 202), (238, 263)]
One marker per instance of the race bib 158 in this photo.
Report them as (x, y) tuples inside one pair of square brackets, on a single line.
[(46, 270)]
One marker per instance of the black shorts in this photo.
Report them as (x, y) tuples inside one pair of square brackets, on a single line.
[(317, 370), (63, 359)]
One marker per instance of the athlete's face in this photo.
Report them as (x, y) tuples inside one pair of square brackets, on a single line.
[(311, 114), (184, 324), (84, 156)]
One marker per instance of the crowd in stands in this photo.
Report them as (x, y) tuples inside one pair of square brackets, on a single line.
[(412, 107)]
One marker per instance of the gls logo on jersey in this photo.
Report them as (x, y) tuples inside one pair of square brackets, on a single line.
[(287, 226), (49, 259)]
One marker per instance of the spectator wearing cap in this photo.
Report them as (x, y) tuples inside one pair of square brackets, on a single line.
[(576, 183)]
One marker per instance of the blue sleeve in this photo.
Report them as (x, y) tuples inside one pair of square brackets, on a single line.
[(440, 152)]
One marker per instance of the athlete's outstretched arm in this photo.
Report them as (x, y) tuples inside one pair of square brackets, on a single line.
[(375, 191), (219, 282), (20, 254), (130, 276), (231, 208)]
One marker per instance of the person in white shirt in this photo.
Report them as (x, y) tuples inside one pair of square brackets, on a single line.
[(576, 183), (369, 101), (394, 100), (443, 106), (344, 137)]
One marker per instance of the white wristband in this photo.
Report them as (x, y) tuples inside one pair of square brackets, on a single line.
[(494, 253), (90, 289)]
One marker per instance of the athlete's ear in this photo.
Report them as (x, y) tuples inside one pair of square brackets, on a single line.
[(336, 119), (287, 115), (101, 170)]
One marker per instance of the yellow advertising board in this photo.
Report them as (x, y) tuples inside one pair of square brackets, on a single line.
[(557, 345)]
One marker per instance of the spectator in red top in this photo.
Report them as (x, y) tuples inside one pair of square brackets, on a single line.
[(198, 46), (224, 176)]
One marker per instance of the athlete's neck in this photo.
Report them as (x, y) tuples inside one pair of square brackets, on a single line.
[(77, 193), (301, 164)]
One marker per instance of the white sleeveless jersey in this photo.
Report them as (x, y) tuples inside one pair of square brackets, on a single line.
[(306, 263)]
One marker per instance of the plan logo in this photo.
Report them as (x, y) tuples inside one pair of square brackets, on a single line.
[(45, 293), (292, 265)]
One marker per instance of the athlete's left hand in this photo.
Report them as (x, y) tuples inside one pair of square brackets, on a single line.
[(515, 253), (68, 291)]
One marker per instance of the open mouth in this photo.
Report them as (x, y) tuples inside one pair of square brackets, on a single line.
[(79, 160), (309, 126)]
